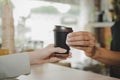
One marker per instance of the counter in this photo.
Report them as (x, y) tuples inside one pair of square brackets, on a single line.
[(56, 72)]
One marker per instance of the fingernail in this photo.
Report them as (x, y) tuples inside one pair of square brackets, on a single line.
[(69, 42), (69, 34), (68, 39)]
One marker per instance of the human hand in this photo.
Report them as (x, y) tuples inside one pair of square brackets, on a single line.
[(83, 41), (45, 55)]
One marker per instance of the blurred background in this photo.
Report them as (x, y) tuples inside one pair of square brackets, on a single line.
[(34, 21)]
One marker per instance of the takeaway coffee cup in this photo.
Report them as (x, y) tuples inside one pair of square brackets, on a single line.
[(60, 34)]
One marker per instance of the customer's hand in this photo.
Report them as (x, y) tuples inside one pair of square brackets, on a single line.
[(83, 41), (45, 55)]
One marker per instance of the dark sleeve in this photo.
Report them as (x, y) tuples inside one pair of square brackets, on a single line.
[(115, 46)]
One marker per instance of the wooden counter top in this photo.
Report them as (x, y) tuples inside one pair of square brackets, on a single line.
[(56, 72)]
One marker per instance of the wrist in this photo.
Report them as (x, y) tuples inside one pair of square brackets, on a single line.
[(32, 58), (36, 57), (96, 53)]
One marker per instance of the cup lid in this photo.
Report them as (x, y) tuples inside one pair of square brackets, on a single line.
[(62, 28)]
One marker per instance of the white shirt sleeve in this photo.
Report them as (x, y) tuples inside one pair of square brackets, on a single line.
[(14, 65)]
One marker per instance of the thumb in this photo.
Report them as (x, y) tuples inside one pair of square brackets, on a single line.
[(54, 59)]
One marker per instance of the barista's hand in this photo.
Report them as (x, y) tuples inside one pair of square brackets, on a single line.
[(45, 55), (83, 41)]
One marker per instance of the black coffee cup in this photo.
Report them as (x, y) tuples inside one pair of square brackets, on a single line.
[(60, 35)]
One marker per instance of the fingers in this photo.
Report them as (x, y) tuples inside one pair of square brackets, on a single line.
[(58, 50), (70, 55), (58, 58), (75, 36), (86, 49), (53, 49), (50, 49), (53, 59), (83, 39), (77, 33), (62, 56), (81, 43)]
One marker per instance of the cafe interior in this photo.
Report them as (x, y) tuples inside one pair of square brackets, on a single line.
[(32, 22)]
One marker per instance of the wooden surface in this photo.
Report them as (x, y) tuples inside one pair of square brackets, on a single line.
[(56, 72)]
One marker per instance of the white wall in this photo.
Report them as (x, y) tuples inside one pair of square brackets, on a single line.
[(42, 26)]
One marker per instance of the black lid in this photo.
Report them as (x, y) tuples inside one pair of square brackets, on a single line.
[(60, 28)]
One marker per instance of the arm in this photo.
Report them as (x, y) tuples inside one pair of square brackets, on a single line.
[(14, 65), (18, 64), (106, 56), (86, 41)]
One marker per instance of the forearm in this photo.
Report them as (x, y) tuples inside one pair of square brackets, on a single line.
[(107, 56)]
